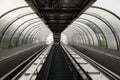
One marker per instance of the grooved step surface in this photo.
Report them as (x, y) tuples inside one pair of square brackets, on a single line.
[(59, 69)]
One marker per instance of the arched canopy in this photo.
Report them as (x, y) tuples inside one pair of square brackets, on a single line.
[(98, 26), (20, 25)]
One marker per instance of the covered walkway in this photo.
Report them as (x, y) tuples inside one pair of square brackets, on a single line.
[(59, 40)]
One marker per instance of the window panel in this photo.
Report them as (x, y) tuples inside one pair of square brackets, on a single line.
[(90, 32), (110, 19), (10, 31), (8, 19), (20, 29), (112, 5), (107, 32), (7, 5), (98, 32)]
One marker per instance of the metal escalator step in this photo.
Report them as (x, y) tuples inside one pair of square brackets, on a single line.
[(59, 69)]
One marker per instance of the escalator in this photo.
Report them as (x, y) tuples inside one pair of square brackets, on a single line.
[(59, 69), (55, 67)]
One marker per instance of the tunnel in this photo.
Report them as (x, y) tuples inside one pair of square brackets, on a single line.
[(59, 40)]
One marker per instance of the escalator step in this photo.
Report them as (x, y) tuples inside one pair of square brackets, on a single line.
[(59, 69)]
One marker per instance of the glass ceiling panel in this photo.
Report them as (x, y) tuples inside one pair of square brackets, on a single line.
[(7, 5), (8, 18), (112, 20), (107, 32), (112, 5)]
